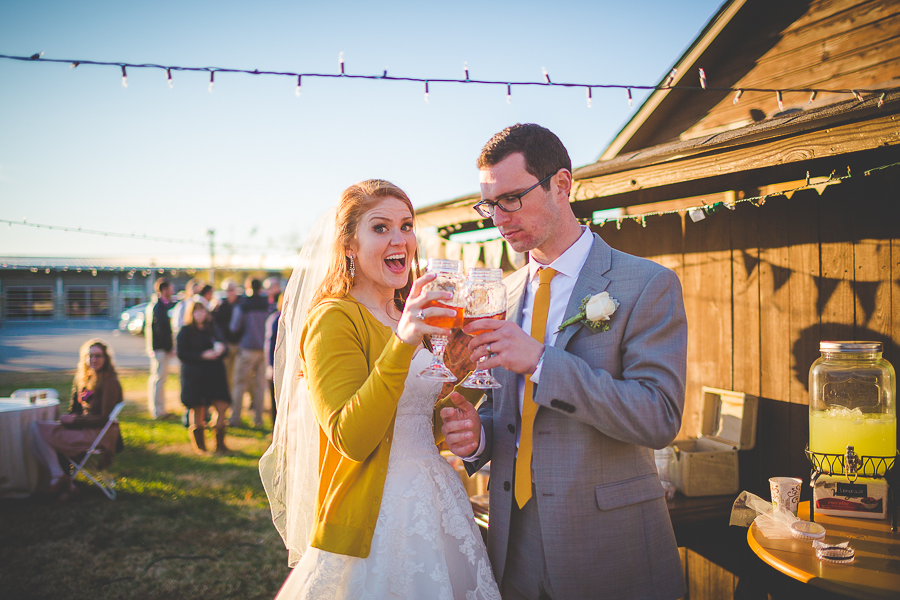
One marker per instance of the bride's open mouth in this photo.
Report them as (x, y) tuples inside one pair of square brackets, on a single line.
[(396, 263)]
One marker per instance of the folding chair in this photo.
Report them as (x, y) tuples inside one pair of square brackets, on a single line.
[(25, 392), (108, 487)]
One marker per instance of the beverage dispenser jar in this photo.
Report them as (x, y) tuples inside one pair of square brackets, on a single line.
[(852, 393)]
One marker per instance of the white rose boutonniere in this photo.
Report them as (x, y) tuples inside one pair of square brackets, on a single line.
[(595, 312)]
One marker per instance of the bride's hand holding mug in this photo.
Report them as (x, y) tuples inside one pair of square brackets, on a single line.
[(412, 326)]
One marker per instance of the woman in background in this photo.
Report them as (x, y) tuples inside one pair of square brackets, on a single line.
[(95, 392), (203, 381)]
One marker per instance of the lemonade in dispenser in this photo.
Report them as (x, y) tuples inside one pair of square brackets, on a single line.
[(852, 393)]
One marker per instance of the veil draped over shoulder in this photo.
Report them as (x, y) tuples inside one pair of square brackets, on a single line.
[(290, 467)]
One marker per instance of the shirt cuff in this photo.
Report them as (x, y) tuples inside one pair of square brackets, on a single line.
[(536, 376), (474, 457)]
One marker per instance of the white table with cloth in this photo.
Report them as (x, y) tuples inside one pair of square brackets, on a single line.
[(18, 467)]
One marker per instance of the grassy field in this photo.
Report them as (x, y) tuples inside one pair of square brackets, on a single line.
[(182, 526)]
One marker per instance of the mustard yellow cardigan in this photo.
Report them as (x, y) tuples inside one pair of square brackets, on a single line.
[(355, 371)]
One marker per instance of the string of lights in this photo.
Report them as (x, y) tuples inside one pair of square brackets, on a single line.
[(142, 237), (546, 82)]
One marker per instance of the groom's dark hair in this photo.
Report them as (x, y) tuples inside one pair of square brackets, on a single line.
[(544, 153)]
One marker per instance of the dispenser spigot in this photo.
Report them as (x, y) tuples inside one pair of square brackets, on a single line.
[(852, 462)]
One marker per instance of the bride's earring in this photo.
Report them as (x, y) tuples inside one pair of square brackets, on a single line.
[(352, 268)]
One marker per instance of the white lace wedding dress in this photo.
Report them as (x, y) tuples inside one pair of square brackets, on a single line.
[(426, 544)]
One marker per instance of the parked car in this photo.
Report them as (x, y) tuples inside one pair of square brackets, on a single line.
[(132, 319)]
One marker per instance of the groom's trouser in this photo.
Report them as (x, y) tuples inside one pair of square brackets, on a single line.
[(525, 576)]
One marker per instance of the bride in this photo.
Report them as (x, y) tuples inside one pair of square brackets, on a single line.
[(365, 504)]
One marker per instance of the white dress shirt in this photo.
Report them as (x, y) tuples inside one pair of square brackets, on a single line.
[(568, 266)]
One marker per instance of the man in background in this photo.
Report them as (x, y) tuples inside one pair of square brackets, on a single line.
[(249, 321), (160, 347), (222, 314)]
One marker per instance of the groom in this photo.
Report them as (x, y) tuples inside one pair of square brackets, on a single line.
[(576, 506)]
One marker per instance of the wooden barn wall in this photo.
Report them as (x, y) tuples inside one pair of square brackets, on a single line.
[(832, 44), (763, 285)]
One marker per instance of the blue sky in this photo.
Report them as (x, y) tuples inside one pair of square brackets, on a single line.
[(258, 164)]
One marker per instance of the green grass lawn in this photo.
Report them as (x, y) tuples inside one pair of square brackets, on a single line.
[(182, 526)]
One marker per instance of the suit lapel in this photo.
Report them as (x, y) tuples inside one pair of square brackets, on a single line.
[(591, 280)]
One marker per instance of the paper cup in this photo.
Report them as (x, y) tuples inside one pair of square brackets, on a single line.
[(785, 493)]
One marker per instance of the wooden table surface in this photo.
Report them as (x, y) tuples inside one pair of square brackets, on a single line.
[(874, 573)]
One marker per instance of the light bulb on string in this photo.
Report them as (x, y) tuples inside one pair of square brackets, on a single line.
[(546, 75), (881, 99), (857, 95), (737, 96), (299, 91), (589, 96), (169, 77), (466, 69), (812, 97), (426, 91), (670, 78), (703, 79), (780, 99), (508, 94), (212, 80), (124, 77), (630, 100), (74, 64), (341, 62)]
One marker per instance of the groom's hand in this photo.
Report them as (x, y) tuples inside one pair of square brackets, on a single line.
[(505, 345), (462, 426)]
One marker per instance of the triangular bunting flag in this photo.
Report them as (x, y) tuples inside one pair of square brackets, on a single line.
[(826, 287)]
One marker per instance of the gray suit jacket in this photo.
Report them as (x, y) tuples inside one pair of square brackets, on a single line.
[(605, 400)]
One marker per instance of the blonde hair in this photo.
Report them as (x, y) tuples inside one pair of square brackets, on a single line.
[(354, 203), (85, 376)]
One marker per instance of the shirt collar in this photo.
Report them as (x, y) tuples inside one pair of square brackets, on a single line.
[(568, 263)]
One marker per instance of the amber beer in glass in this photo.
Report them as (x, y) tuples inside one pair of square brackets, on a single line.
[(485, 299), (448, 279)]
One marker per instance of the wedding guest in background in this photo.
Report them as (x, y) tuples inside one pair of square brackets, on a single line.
[(160, 345), (269, 347), (192, 287), (95, 392), (272, 287), (205, 296), (203, 382), (249, 320), (222, 314)]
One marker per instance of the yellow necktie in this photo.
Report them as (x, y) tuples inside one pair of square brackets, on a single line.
[(529, 408)]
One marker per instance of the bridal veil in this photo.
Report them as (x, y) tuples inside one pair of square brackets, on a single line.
[(290, 467)]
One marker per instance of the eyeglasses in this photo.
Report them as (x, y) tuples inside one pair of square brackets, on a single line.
[(511, 203)]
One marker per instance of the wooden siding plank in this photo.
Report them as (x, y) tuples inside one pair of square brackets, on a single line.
[(707, 297), (662, 241), (830, 9), (774, 300), (803, 253), (746, 309), (838, 306), (878, 132), (872, 262), (708, 581), (850, 21), (745, 277)]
